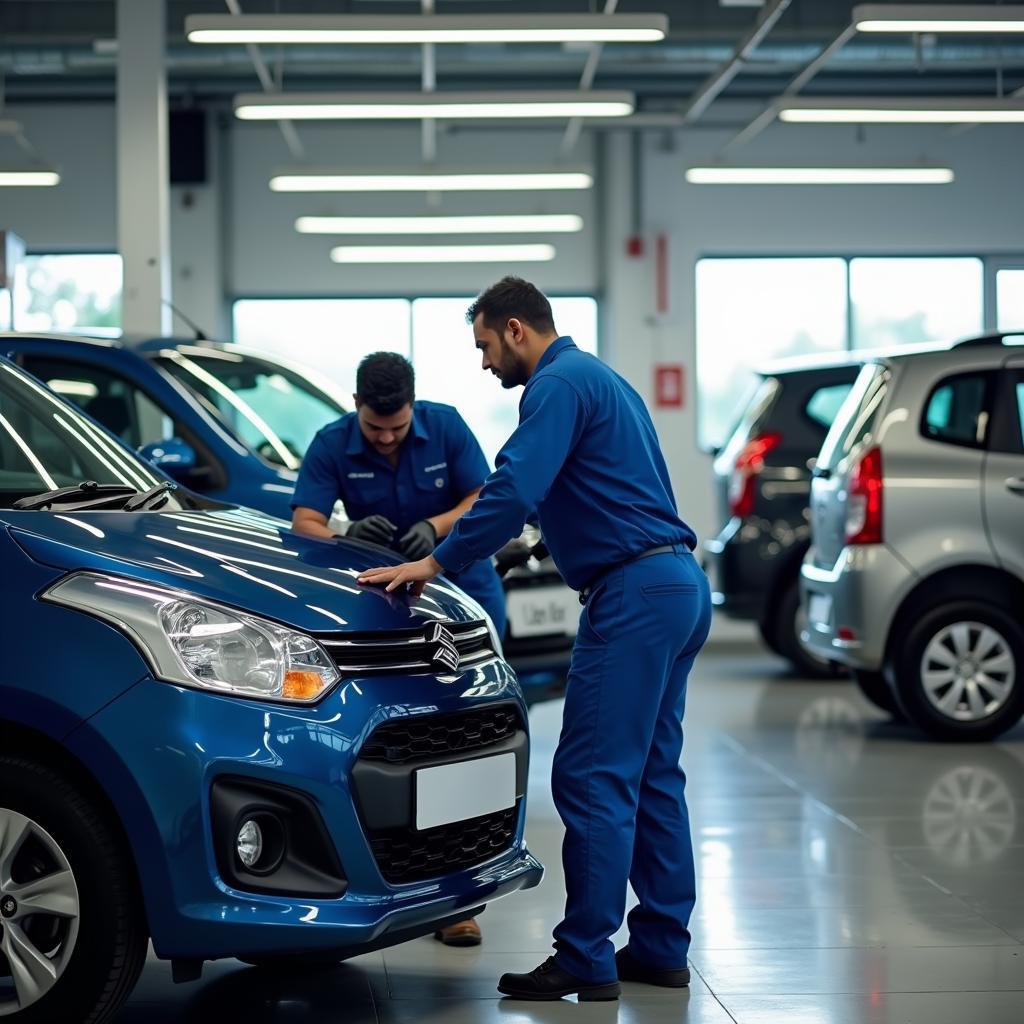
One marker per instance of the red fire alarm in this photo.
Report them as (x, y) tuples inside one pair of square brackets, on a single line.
[(669, 386)]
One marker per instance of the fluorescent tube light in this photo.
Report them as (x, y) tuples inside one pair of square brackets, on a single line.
[(486, 225), (443, 253), (895, 110), (432, 28), (938, 18), (29, 179), (819, 175), (430, 181), (417, 105)]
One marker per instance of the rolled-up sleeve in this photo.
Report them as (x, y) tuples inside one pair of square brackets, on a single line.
[(552, 417), (318, 486)]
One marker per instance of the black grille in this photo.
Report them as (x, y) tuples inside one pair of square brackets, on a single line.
[(405, 855), (405, 739), (405, 650)]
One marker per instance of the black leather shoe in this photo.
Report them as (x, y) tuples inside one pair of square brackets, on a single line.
[(630, 969), (549, 981)]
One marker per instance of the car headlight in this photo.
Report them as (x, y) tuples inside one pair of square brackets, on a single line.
[(202, 644)]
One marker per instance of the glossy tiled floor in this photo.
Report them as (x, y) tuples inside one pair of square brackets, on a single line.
[(849, 874)]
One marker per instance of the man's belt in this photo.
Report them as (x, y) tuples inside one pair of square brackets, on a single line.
[(663, 549)]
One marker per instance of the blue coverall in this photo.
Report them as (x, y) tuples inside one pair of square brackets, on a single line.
[(586, 457), (440, 462)]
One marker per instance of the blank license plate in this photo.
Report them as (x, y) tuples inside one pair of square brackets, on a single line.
[(455, 792), (536, 611), (819, 609)]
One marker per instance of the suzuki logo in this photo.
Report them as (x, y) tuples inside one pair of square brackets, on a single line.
[(443, 652)]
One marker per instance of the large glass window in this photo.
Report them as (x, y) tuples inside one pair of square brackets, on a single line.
[(333, 335), (751, 312), (902, 301), (448, 365), (80, 292), (1010, 299)]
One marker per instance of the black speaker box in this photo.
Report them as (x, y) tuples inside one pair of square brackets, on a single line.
[(187, 135)]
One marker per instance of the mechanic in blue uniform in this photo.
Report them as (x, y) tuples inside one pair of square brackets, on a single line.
[(585, 456), (405, 471)]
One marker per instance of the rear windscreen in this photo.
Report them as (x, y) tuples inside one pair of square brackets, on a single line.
[(754, 415), (857, 415)]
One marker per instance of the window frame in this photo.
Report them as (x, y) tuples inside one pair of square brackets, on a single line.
[(989, 378)]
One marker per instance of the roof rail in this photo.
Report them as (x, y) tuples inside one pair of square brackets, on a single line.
[(995, 338)]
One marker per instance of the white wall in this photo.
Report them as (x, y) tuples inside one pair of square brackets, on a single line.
[(269, 257), (236, 225)]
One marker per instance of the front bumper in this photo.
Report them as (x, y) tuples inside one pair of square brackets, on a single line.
[(159, 750), (851, 606)]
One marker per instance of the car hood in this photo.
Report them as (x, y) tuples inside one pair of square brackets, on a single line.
[(239, 558)]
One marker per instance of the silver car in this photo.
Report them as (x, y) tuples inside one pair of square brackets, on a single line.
[(915, 574)]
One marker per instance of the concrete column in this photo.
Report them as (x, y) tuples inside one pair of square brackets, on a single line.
[(142, 166)]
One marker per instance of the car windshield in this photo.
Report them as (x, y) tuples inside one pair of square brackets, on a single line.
[(47, 444), (273, 409)]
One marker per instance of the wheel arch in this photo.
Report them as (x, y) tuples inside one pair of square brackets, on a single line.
[(984, 583), (32, 744)]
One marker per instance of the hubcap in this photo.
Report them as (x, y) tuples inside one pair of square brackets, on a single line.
[(39, 912), (968, 671)]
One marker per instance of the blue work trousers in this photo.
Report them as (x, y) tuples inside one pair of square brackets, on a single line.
[(616, 778)]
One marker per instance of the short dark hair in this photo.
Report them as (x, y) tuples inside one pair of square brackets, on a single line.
[(513, 297), (386, 382)]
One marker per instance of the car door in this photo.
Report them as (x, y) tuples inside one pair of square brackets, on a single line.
[(1004, 470)]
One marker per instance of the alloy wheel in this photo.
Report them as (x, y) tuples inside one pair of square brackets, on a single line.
[(39, 912), (968, 671)]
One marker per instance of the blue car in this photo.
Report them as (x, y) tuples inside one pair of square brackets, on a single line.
[(233, 425), (211, 736)]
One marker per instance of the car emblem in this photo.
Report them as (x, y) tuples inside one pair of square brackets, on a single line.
[(441, 642)]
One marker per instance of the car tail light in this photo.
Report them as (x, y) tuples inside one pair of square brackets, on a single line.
[(748, 465), (864, 501)]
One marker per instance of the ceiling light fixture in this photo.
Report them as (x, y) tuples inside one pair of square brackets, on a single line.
[(938, 18), (819, 175), (896, 110), (29, 179), (429, 181), (484, 225), (432, 28), (326, 106), (443, 253)]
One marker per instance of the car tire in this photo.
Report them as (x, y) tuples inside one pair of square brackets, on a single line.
[(875, 688), (766, 627), (935, 634), (96, 939), (786, 628)]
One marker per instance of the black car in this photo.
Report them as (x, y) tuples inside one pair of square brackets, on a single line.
[(763, 481)]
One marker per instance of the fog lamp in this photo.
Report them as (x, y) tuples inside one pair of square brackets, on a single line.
[(249, 844)]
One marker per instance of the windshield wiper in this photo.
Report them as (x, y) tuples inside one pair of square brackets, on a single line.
[(141, 501), (104, 493)]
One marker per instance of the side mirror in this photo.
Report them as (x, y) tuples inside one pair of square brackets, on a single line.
[(174, 457)]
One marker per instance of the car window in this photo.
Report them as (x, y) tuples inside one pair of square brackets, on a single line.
[(824, 404), (115, 401), (274, 410), (857, 415), (45, 443), (956, 411), (754, 415)]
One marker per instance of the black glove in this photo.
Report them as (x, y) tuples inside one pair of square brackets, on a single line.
[(540, 551), (419, 542), (511, 556), (375, 529)]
